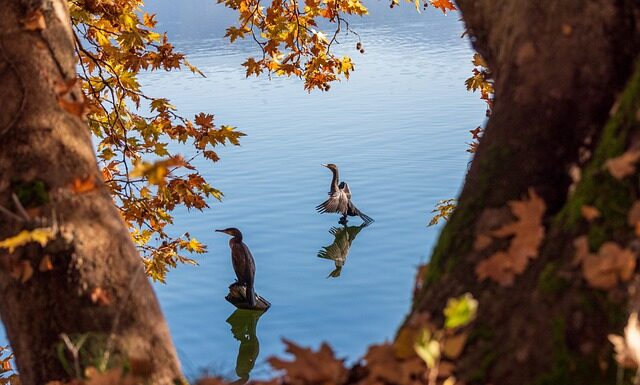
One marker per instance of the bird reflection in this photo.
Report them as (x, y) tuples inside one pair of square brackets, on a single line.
[(243, 327), (339, 249)]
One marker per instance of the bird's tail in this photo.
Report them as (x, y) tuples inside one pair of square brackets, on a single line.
[(251, 295), (353, 210)]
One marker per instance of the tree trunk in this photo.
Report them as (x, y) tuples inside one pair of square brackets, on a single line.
[(558, 67), (88, 283)]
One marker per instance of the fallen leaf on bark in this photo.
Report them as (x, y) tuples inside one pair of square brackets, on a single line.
[(633, 217), (81, 186), (309, 367), (100, 296), (527, 233), (589, 212), (482, 242), (610, 266), (454, 345), (581, 246), (40, 235), (623, 165), (22, 271), (34, 21), (45, 264)]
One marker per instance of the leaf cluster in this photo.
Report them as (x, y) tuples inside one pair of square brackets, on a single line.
[(136, 133)]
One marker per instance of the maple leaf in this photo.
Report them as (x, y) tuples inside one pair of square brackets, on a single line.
[(81, 186), (309, 367), (475, 133), (385, 367), (527, 232), (623, 165), (443, 5)]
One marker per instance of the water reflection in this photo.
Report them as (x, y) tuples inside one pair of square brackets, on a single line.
[(339, 249), (243, 327)]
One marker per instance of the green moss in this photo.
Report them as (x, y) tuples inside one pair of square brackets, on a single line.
[(597, 187), (488, 359), (550, 283), (31, 193)]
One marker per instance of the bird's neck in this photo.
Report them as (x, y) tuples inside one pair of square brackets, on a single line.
[(335, 180), (236, 239)]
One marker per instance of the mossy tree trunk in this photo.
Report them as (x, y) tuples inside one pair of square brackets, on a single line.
[(88, 282), (559, 68)]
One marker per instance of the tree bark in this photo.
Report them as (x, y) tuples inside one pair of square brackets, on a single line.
[(559, 67), (95, 287)]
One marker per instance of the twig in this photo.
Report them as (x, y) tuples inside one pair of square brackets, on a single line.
[(19, 207)]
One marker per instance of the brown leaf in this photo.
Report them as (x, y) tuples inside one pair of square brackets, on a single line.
[(610, 266), (623, 165), (309, 367), (100, 297), (581, 245), (81, 186), (386, 368), (34, 21), (527, 233), (45, 264), (22, 271), (589, 212), (403, 344), (482, 242), (453, 346)]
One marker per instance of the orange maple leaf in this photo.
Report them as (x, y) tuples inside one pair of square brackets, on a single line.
[(443, 5), (81, 186)]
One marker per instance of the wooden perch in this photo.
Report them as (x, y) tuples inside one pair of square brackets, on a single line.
[(238, 297)]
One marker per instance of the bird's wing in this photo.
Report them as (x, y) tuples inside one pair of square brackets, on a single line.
[(338, 202), (345, 188), (339, 249), (243, 263)]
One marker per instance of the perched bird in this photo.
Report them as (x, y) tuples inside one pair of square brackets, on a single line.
[(243, 263), (340, 199), (339, 249)]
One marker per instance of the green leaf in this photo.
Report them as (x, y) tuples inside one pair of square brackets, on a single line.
[(460, 311)]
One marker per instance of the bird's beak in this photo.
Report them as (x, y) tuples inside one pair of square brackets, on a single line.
[(221, 231), (324, 165)]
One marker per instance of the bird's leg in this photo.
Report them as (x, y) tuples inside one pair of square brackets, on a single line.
[(343, 220)]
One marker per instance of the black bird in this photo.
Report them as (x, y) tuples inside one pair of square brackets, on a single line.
[(243, 327), (340, 199), (243, 263)]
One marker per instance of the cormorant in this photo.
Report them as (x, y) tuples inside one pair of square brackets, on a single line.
[(243, 263), (340, 199), (339, 249)]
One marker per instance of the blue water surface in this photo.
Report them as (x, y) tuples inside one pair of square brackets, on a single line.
[(398, 131)]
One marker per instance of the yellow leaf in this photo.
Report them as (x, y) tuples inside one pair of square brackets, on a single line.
[(39, 235)]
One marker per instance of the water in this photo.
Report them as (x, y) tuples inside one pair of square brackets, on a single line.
[(398, 130)]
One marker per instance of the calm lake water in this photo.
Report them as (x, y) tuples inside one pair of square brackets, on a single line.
[(398, 130)]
